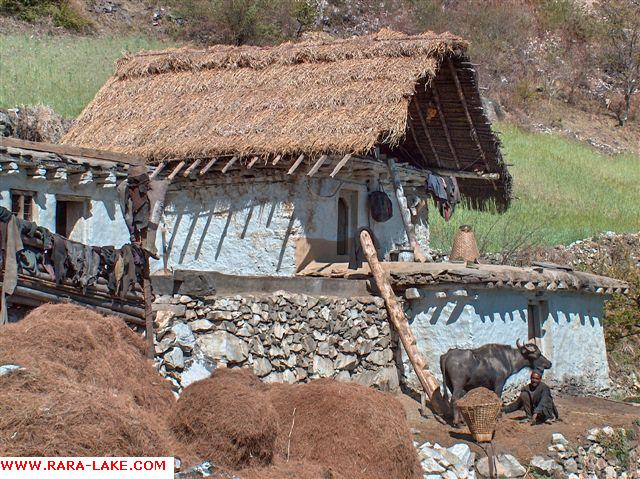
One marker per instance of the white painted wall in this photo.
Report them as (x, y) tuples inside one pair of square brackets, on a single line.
[(251, 227), (104, 224), (572, 334)]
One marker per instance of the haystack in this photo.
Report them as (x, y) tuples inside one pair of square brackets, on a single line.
[(357, 431), (86, 388), (227, 419)]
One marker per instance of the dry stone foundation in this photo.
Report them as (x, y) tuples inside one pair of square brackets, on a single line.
[(282, 337)]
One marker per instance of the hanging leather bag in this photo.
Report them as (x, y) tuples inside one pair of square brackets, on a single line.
[(380, 206)]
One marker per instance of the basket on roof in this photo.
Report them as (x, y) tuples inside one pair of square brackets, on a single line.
[(480, 409)]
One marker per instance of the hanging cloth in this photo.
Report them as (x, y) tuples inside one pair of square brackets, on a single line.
[(10, 279)]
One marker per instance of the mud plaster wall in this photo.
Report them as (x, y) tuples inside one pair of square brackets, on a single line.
[(252, 227), (102, 224), (571, 331), (282, 337), (263, 227)]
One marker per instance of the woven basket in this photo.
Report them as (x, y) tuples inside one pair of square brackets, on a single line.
[(464, 245), (481, 419)]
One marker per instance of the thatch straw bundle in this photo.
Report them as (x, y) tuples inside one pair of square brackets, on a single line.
[(342, 96)]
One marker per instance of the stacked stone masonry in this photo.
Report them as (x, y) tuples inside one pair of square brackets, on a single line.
[(282, 337)]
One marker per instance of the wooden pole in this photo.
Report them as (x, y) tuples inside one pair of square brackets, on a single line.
[(397, 317), (405, 213)]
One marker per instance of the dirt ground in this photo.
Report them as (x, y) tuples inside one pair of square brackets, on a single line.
[(578, 415)]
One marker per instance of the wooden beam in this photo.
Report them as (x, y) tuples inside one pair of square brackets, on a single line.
[(294, 167), (158, 169), (192, 167), (340, 164), (426, 132), (405, 213), (208, 166), (415, 140), (252, 162), (467, 174), (276, 160), (472, 128), (397, 317), (317, 166), (176, 170), (73, 150), (229, 164), (443, 122)]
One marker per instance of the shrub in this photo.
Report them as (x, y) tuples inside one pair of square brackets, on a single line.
[(62, 12), (241, 22)]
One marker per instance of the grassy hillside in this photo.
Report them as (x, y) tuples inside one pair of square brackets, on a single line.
[(61, 72), (564, 189)]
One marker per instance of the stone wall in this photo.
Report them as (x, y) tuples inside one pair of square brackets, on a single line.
[(283, 337)]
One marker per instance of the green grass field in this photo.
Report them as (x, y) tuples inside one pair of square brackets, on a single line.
[(564, 190), (61, 72)]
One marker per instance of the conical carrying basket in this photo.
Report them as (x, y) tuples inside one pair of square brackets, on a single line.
[(482, 418), (465, 247)]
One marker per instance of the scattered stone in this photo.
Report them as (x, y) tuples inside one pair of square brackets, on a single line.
[(7, 369), (261, 367), (196, 371), (557, 438), (507, 466), (543, 465), (200, 325), (463, 453), (184, 336), (323, 367), (344, 361), (431, 466), (174, 359), (380, 358)]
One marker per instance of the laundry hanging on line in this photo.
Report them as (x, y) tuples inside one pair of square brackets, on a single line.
[(445, 193)]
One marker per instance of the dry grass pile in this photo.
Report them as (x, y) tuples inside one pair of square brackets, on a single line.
[(86, 390), (355, 430), (227, 419), (291, 470), (38, 123), (479, 397)]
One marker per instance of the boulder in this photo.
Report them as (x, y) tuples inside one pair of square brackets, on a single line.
[(196, 371), (346, 361), (507, 466), (544, 465), (200, 325), (184, 336), (174, 359), (323, 367), (380, 358), (557, 438), (463, 453), (223, 345), (431, 466), (261, 367)]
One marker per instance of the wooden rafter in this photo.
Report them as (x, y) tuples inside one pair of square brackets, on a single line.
[(192, 167), (340, 164), (158, 169), (415, 140), (314, 169), (443, 122), (176, 170), (229, 164), (297, 163), (208, 166), (252, 162), (426, 132), (276, 160)]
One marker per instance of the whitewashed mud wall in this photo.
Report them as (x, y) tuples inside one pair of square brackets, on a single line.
[(103, 224), (258, 227), (282, 337), (572, 335)]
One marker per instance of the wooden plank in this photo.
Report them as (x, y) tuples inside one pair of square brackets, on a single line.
[(208, 166), (158, 169), (397, 317), (73, 150), (192, 167), (415, 140), (405, 214), (317, 166), (467, 174), (294, 167), (229, 164), (340, 164), (252, 162), (176, 170), (276, 160), (436, 98)]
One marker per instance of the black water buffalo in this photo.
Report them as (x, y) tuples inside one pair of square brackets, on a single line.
[(488, 366)]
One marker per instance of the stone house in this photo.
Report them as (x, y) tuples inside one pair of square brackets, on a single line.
[(271, 154)]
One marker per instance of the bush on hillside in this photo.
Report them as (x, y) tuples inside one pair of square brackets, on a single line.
[(238, 22), (64, 13)]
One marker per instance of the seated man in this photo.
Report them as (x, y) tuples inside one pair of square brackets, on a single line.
[(535, 400)]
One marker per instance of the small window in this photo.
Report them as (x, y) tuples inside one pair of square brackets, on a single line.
[(22, 204), (70, 215)]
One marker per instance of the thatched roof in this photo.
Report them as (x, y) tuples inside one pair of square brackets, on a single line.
[(315, 97)]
